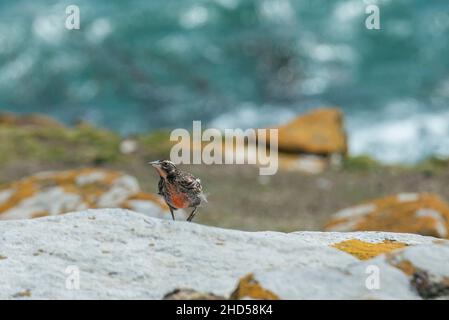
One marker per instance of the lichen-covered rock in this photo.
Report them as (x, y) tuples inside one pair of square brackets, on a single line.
[(58, 192), (421, 213), (119, 254), (319, 131), (426, 268)]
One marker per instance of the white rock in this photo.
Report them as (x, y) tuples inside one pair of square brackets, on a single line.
[(125, 255), (59, 192)]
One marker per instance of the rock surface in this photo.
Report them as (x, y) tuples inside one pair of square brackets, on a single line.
[(115, 253), (423, 213), (320, 131), (58, 192)]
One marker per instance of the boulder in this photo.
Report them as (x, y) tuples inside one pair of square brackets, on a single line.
[(426, 268), (320, 131), (119, 254), (420, 213), (58, 192)]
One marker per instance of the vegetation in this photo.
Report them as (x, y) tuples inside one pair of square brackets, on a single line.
[(83, 144), (362, 162)]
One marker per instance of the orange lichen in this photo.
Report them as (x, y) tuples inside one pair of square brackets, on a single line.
[(405, 266), (396, 215), (248, 287), (319, 132), (21, 190), (427, 286), (96, 183), (66, 180), (367, 250)]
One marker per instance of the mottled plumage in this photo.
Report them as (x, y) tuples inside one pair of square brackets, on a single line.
[(180, 189)]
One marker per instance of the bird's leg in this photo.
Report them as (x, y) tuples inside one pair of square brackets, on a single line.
[(172, 214), (192, 214)]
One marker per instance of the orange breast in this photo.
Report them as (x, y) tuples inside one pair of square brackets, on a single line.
[(178, 200)]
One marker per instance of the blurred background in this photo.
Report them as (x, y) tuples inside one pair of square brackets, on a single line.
[(138, 67)]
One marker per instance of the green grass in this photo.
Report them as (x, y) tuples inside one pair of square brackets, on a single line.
[(80, 145), (362, 162), (89, 145), (83, 144), (433, 165), (155, 145)]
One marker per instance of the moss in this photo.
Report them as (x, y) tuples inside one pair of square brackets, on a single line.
[(362, 162)]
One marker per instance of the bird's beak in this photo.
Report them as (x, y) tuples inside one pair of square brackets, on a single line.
[(155, 163)]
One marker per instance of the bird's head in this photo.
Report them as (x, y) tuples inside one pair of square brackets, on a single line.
[(164, 167)]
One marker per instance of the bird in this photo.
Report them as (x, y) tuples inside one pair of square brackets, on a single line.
[(179, 189)]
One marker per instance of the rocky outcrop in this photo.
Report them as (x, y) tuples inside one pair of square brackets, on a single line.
[(58, 192), (319, 131), (420, 213), (115, 253)]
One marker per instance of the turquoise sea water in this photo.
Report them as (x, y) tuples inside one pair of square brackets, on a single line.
[(137, 65)]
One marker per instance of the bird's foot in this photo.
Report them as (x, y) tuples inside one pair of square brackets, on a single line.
[(189, 219)]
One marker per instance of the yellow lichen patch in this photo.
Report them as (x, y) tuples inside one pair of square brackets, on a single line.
[(248, 287), (319, 132), (367, 250), (423, 213)]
